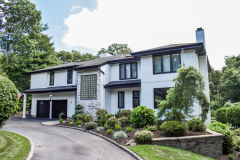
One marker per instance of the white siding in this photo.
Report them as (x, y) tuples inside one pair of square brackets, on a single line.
[(39, 80), (69, 96), (60, 78)]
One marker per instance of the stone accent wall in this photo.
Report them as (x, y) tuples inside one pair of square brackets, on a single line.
[(92, 105), (207, 145)]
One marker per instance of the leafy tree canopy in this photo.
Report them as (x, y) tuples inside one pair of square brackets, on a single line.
[(189, 87), (116, 49)]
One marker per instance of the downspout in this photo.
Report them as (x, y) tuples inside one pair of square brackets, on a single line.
[(100, 70)]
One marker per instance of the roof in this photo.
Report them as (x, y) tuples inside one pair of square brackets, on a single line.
[(52, 89), (124, 84)]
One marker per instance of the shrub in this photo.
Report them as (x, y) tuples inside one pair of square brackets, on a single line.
[(125, 113), (231, 156), (221, 115), (61, 115), (60, 120), (213, 118), (224, 129), (123, 120), (105, 125), (100, 128), (173, 128), (236, 138), (119, 135), (236, 132), (212, 113), (100, 112), (142, 116), (233, 114), (90, 125), (143, 137), (80, 116), (117, 114), (159, 123), (78, 110), (79, 122), (152, 128), (196, 124), (8, 99), (227, 104), (104, 118), (71, 123), (109, 131), (117, 127), (88, 118), (129, 129), (112, 122)]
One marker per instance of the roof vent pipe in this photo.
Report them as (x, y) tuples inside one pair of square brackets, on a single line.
[(200, 37), (102, 55)]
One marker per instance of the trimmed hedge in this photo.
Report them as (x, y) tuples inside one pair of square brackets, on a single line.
[(221, 115), (173, 128), (142, 116), (125, 113), (143, 137), (196, 124), (233, 115)]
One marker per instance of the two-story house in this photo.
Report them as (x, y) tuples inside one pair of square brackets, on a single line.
[(115, 82)]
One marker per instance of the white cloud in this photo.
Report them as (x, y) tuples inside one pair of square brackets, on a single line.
[(144, 24), (75, 7)]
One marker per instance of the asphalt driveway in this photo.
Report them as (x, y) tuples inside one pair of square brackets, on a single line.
[(56, 143)]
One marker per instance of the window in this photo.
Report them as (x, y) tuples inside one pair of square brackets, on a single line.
[(120, 99), (69, 76), (136, 100), (159, 94), (51, 83), (166, 63), (128, 71), (89, 87)]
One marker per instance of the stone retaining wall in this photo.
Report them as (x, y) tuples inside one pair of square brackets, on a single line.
[(208, 145)]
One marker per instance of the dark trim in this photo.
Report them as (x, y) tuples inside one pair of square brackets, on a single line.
[(163, 96), (88, 67), (50, 78), (52, 89), (52, 70), (126, 72), (68, 78), (138, 98), (125, 60), (123, 99), (100, 70), (124, 84)]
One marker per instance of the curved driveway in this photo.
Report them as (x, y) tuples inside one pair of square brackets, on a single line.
[(57, 143)]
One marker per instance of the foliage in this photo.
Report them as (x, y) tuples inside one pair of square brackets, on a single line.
[(78, 110), (100, 128), (152, 128), (125, 113), (224, 129), (60, 120), (103, 118), (117, 127), (236, 140), (172, 116), (123, 120), (233, 114), (221, 115), (173, 128), (159, 123), (227, 104), (101, 112), (105, 125), (117, 115), (119, 135), (109, 131), (213, 118), (8, 99), (236, 132), (212, 113), (90, 125), (189, 87), (88, 118), (71, 123), (143, 137), (79, 122), (231, 156), (116, 49), (80, 116), (196, 124), (142, 116), (61, 115), (112, 122), (129, 129)]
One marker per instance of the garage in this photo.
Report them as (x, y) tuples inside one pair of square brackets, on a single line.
[(43, 108), (59, 106)]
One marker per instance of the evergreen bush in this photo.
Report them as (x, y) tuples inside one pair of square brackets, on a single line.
[(125, 113), (79, 122), (123, 120), (78, 110), (129, 129), (103, 118), (173, 128), (119, 135), (80, 116), (152, 128), (109, 131), (90, 125), (143, 137), (112, 122), (101, 112), (221, 115), (88, 118), (233, 115), (196, 124), (117, 127), (142, 116)]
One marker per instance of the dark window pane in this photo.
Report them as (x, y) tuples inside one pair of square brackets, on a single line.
[(166, 63), (136, 99), (134, 70), (157, 64), (89, 86), (165, 93), (122, 71), (120, 99), (69, 76), (158, 94), (175, 62), (128, 69), (51, 78)]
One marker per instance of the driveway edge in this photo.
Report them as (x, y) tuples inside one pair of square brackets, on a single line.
[(108, 139)]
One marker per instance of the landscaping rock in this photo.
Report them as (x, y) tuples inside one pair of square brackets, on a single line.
[(133, 144)]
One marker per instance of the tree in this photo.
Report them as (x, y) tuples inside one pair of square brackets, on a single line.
[(17, 18), (8, 99), (116, 49), (189, 87)]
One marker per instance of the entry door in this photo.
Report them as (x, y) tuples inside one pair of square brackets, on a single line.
[(43, 108), (59, 106)]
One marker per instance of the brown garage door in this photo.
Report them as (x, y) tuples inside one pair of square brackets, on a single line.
[(43, 108), (59, 106)]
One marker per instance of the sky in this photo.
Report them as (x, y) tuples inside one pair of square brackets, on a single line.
[(89, 25)]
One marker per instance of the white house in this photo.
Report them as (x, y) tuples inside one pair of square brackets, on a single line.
[(115, 82)]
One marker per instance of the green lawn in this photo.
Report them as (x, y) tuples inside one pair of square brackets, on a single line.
[(13, 146), (153, 152)]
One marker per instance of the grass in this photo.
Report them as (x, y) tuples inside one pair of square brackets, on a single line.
[(13, 146), (153, 152)]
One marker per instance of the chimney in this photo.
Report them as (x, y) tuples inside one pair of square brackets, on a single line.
[(200, 36), (102, 55)]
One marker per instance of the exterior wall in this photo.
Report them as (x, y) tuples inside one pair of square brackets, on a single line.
[(39, 80), (69, 96), (128, 98)]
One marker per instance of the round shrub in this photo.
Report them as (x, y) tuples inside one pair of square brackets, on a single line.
[(71, 123), (99, 112), (117, 127), (129, 129), (173, 128), (8, 99), (112, 122), (90, 125), (125, 113), (233, 114), (79, 122), (221, 115), (196, 124), (236, 132), (119, 135), (152, 128), (60, 120), (143, 137), (80, 116), (104, 118), (142, 116), (109, 131), (89, 118), (100, 128), (227, 104), (123, 120)]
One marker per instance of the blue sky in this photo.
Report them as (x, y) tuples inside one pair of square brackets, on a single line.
[(89, 25)]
